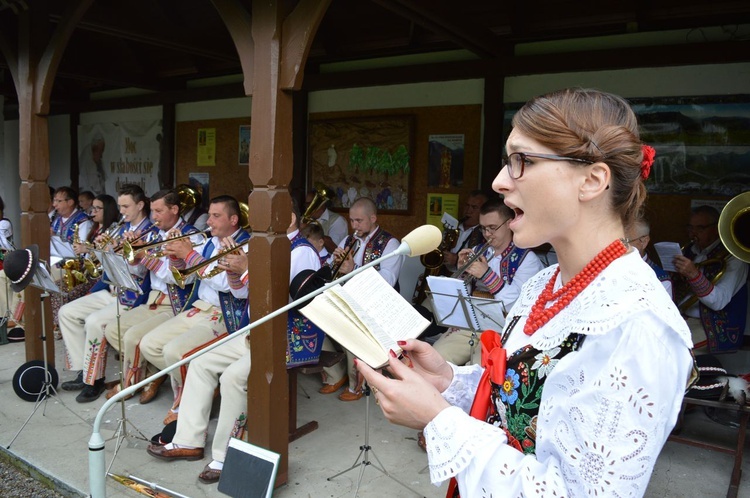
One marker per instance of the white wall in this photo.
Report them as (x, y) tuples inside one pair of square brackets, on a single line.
[(682, 81)]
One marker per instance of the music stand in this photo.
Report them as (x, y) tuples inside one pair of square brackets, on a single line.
[(463, 311), (363, 459), (117, 271), (43, 280)]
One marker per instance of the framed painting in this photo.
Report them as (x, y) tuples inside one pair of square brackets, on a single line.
[(364, 157)]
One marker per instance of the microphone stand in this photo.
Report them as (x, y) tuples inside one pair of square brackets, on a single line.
[(97, 471), (363, 459)]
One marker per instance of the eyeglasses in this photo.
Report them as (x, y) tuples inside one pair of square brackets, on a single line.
[(97, 208), (493, 228), (639, 239), (698, 228), (517, 161)]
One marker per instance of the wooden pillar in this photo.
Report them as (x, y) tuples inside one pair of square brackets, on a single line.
[(492, 141), (273, 59), (33, 62)]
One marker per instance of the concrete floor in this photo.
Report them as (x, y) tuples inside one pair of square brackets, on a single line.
[(55, 441)]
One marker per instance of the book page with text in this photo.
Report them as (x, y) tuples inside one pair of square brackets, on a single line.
[(394, 314)]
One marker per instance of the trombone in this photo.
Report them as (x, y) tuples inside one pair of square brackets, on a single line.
[(129, 251), (180, 276)]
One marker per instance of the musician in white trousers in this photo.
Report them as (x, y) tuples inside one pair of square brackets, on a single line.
[(229, 367), (83, 320), (204, 321), (373, 242)]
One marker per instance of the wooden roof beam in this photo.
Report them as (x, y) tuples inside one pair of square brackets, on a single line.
[(437, 16)]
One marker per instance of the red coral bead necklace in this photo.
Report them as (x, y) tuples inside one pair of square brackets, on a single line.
[(540, 315)]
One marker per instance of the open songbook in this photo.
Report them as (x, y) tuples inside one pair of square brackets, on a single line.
[(366, 316)]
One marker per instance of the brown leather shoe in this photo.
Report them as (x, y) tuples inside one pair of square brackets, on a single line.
[(149, 393), (332, 388), (209, 475), (171, 417), (189, 454), (116, 390), (350, 396)]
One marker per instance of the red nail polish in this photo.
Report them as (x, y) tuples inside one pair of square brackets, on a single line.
[(401, 343), (393, 353)]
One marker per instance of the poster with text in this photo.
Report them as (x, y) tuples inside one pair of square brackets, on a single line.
[(446, 161), (113, 154), (206, 155)]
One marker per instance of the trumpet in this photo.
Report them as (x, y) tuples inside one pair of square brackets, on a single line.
[(349, 249), (180, 276), (109, 234), (486, 251), (155, 248)]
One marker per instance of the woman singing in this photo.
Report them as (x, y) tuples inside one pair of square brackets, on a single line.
[(595, 358)]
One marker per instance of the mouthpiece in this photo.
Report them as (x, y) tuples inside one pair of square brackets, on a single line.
[(420, 241)]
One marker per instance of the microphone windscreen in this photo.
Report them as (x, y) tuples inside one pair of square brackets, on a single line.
[(423, 239)]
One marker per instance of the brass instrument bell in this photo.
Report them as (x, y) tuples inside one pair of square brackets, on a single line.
[(323, 194), (734, 226), (189, 197)]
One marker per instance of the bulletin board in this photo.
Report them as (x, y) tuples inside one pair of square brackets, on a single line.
[(428, 121), (228, 176)]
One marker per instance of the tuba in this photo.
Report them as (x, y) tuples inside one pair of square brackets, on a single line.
[(734, 227), (189, 198), (734, 232), (323, 194)]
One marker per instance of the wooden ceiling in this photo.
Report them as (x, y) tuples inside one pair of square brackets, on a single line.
[(161, 45)]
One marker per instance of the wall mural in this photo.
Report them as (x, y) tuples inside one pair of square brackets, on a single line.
[(364, 157)]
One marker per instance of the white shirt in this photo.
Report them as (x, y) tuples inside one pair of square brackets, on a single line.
[(529, 267), (338, 229), (6, 235), (209, 288), (606, 410), (735, 276), (201, 223), (303, 257)]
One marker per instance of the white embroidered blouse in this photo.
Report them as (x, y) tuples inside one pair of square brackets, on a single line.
[(606, 410)]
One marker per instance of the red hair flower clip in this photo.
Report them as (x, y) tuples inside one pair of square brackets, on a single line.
[(648, 159)]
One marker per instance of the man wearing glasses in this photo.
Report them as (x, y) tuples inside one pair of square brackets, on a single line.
[(711, 286), (498, 274), (639, 235)]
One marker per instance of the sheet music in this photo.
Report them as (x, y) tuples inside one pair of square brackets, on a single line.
[(449, 221), (61, 248), (666, 252), (43, 280), (447, 305)]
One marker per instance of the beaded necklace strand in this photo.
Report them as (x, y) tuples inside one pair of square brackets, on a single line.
[(540, 315)]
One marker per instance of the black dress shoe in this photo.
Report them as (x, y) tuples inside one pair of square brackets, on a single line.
[(75, 384), (91, 393)]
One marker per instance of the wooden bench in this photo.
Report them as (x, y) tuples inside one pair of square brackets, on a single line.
[(737, 451), (327, 359)]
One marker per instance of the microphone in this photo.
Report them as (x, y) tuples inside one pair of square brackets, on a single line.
[(419, 241)]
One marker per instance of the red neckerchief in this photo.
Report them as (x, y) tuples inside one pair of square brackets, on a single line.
[(494, 360)]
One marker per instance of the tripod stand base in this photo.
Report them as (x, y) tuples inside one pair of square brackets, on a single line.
[(29, 380)]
